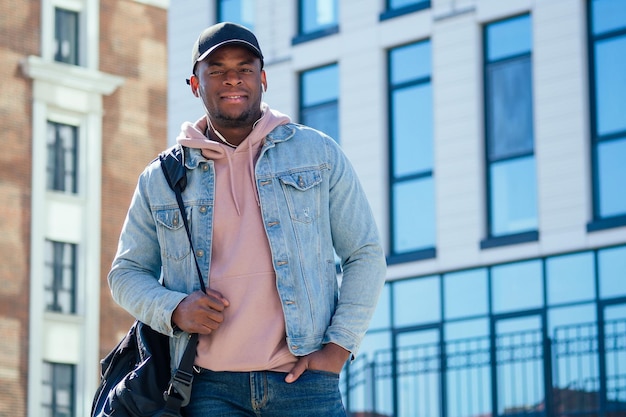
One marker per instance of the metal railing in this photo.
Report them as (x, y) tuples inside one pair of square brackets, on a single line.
[(579, 371)]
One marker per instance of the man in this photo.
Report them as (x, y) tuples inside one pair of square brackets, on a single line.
[(269, 203)]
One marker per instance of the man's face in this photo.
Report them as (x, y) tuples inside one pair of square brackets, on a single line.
[(229, 82)]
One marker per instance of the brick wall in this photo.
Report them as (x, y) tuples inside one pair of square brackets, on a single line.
[(133, 45), (19, 36)]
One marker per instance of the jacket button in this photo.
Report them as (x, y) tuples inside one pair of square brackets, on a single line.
[(199, 253), (205, 167), (203, 209)]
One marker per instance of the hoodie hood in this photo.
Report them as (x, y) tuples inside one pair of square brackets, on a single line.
[(192, 135)]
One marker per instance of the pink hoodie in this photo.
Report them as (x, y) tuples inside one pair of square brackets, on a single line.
[(252, 336)]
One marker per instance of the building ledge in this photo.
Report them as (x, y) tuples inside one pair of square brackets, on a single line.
[(72, 76)]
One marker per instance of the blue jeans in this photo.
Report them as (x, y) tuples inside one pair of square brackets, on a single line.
[(266, 394)]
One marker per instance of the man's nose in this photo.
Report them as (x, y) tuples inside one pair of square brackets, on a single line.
[(232, 77)]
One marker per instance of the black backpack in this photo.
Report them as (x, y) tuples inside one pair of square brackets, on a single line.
[(135, 376)]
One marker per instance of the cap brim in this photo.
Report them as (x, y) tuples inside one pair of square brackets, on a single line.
[(230, 41)]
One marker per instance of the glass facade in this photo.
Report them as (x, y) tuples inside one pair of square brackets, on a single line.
[(412, 188), (511, 171), (607, 49), (319, 99), (237, 11), (318, 16), (527, 338)]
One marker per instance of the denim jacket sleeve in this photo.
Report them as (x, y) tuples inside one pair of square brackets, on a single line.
[(136, 269), (356, 241)]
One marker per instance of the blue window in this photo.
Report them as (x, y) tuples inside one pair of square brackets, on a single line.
[(611, 267), (416, 301), (319, 99), (412, 188), (511, 172), (66, 36), (60, 277), (570, 278), (62, 154), (607, 50), (58, 390), (317, 18), (237, 11), (517, 286), (395, 8)]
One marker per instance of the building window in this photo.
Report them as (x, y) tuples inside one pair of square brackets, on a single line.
[(607, 50), (60, 277), (319, 99), (62, 141), (395, 8), (511, 176), (317, 18), (412, 199), (66, 36), (236, 11), (527, 338), (58, 390)]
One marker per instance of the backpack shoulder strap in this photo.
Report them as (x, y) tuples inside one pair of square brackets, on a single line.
[(173, 165)]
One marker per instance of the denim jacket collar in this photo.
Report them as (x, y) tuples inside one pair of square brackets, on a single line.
[(282, 133)]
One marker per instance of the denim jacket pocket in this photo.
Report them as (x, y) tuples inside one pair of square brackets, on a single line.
[(172, 234), (302, 193)]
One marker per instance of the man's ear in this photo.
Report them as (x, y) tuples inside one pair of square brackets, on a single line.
[(193, 83), (263, 81)]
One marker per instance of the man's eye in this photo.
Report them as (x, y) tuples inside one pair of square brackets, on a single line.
[(217, 72)]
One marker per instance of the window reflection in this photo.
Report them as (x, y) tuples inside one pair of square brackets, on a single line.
[(612, 177), (416, 301), (510, 109), (465, 294), (411, 149), (509, 37), (610, 79), (608, 52), (517, 286), (237, 11), (513, 191), (468, 368), (570, 278), (611, 267), (317, 15), (519, 364), (419, 369), (413, 231), (614, 341), (608, 15), (582, 367), (319, 101), (509, 127)]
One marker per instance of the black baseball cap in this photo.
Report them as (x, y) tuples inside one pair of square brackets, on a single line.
[(221, 34)]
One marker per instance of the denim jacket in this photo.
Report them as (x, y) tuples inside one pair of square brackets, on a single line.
[(312, 206)]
